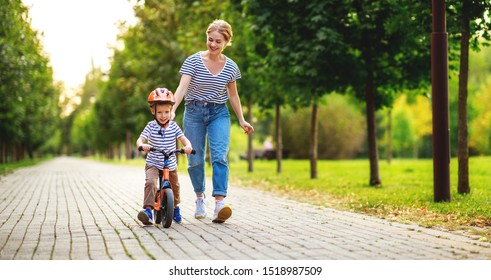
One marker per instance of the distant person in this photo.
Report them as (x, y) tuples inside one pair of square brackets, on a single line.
[(268, 144), (161, 133), (208, 80)]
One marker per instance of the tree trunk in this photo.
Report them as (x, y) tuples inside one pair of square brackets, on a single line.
[(128, 145), (389, 136), (372, 134), (3, 158), (30, 152), (250, 148), (314, 131), (110, 152), (119, 150), (463, 148), (279, 140), (19, 153)]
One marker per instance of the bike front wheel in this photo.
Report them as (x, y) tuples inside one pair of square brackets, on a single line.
[(167, 207)]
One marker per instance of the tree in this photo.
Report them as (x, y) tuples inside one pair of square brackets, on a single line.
[(82, 137), (29, 109), (243, 51), (389, 52), (342, 127), (472, 17), (305, 54), (153, 52), (148, 60)]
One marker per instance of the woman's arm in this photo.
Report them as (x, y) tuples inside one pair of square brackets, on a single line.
[(233, 96), (180, 92)]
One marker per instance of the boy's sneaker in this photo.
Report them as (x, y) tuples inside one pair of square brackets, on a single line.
[(177, 215), (200, 212), (222, 212), (146, 217)]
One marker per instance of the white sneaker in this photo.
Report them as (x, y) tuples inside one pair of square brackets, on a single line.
[(200, 212), (222, 212)]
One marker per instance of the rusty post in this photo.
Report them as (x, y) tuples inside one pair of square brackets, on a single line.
[(439, 73)]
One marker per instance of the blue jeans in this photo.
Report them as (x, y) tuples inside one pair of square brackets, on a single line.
[(207, 121)]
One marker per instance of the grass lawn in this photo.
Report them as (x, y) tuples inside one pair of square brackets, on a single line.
[(7, 168), (406, 194)]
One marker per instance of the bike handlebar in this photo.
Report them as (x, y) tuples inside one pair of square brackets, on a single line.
[(165, 153)]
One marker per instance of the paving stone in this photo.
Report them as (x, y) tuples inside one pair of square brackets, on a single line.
[(84, 209)]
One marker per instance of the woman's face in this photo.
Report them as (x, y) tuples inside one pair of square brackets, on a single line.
[(216, 42)]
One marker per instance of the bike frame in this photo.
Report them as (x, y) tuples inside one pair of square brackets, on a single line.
[(164, 180), (164, 200)]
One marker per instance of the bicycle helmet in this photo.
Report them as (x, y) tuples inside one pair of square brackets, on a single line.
[(161, 96)]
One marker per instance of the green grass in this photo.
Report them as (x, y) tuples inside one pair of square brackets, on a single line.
[(406, 194), (7, 168)]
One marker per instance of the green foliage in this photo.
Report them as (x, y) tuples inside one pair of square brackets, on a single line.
[(403, 134), (480, 128), (289, 53), (479, 98), (341, 129), (238, 143), (305, 50), (82, 135), (477, 13), (388, 49), (29, 110), (411, 127), (479, 72)]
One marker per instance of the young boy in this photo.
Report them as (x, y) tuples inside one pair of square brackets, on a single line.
[(160, 133)]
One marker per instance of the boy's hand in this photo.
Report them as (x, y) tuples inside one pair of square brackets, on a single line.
[(188, 149), (145, 147)]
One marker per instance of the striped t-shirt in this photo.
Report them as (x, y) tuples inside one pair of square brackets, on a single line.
[(161, 138), (205, 86)]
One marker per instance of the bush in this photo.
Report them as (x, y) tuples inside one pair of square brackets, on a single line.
[(341, 129)]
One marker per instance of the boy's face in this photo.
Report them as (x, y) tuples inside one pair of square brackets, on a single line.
[(162, 112)]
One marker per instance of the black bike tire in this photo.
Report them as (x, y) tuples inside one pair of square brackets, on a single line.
[(167, 208), (158, 216)]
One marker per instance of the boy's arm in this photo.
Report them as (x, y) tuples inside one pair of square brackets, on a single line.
[(141, 142), (186, 143)]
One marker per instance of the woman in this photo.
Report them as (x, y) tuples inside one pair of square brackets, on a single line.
[(208, 80)]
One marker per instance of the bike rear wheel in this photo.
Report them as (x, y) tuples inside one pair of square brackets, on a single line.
[(167, 207)]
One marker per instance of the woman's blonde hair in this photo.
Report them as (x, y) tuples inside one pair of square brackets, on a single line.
[(223, 28)]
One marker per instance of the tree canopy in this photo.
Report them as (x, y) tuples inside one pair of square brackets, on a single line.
[(29, 111)]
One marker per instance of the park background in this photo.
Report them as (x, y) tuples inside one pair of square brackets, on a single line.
[(336, 85)]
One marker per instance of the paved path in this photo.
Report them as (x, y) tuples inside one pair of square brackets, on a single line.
[(70, 208)]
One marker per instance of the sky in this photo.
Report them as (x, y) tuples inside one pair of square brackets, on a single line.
[(78, 31)]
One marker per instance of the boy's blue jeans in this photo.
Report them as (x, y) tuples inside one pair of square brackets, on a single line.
[(207, 121)]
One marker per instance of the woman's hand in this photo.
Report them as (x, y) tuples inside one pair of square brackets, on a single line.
[(247, 127)]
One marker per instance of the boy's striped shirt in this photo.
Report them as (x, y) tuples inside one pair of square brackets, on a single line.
[(167, 141)]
